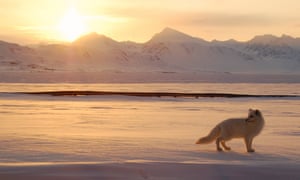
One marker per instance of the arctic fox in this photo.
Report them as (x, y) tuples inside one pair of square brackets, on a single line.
[(246, 128)]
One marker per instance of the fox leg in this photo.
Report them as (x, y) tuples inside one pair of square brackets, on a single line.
[(219, 139), (224, 145), (250, 145), (248, 142)]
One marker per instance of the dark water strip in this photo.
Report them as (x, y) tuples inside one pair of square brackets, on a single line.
[(154, 94)]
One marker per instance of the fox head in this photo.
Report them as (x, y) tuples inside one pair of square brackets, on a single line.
[(254, 115)]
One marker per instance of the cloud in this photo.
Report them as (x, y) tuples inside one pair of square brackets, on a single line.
[(297, 25), (226, 20), (133, 12), (193, 17), (107, 18), (32, 28)]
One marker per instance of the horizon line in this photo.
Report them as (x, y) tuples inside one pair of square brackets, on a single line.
[(48, 42)]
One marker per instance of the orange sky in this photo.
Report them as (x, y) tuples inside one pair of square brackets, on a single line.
[(34, 21)]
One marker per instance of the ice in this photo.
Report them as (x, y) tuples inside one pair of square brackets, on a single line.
[(112, 130)]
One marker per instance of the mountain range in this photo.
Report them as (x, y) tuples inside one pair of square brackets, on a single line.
[(167, 51)]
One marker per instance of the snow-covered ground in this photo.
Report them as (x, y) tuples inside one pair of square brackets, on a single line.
[(112, 76), (119, 137)]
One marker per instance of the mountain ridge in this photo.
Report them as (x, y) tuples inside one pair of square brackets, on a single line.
[(164, 31), (167, 51)]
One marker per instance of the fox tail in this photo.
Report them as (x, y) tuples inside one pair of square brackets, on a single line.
[(214, 133)]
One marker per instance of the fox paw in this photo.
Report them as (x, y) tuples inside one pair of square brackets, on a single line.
[(251, 150), (219, 149), (227, 148)]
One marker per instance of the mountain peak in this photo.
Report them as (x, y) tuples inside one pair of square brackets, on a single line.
[(172, 35), (264, 39), (94, 39), (285, 36), (168, 30), (274, 40)]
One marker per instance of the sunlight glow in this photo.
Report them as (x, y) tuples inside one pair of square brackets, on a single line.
[(72, 25)]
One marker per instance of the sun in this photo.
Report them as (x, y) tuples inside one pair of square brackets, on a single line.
[(71, 25)]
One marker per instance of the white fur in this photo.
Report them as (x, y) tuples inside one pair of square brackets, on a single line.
[(246, 128)]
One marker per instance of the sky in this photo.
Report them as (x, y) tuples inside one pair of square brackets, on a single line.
[(36, 21)]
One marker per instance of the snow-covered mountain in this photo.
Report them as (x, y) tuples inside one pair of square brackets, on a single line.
[(172, 35), (167, 51), (271, 47), (14, 57)]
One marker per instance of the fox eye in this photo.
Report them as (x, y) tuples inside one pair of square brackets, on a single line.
[(251, 116)]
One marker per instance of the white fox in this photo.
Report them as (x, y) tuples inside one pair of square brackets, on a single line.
[(246, 128)]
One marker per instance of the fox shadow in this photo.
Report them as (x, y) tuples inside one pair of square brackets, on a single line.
[(235, 156)]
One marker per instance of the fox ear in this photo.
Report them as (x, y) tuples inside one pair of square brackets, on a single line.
[(250, 110), (257, 112)]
